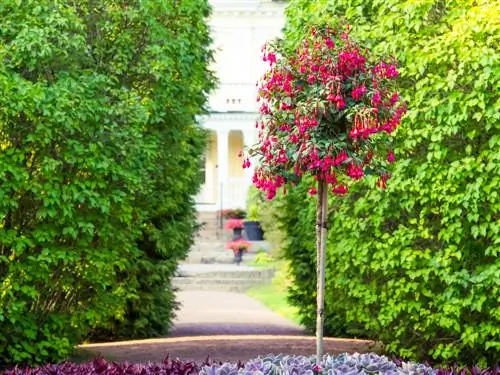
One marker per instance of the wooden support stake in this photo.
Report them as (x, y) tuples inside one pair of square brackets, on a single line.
[(321, 235)]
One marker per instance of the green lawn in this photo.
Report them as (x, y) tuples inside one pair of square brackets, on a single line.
[(275, 298)]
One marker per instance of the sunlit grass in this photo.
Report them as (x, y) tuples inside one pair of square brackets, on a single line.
[(274, 297)]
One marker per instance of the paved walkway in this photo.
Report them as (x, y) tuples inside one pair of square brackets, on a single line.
[(227, 313), (224, 326)]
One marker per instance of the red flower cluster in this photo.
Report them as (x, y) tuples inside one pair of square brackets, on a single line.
[(234, 224), (327, 110), (238, 245)]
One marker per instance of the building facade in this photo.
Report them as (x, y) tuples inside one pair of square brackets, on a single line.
[(239, 29)]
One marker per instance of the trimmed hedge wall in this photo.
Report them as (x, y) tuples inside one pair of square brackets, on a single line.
[(99, 156), (416, 266)]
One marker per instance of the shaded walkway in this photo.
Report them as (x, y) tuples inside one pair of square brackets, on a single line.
[(225, 326), (227, 313)]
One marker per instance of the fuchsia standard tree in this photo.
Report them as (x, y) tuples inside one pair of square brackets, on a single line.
[(327, 110)]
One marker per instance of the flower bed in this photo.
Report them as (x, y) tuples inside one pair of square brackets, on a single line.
[(267, 365)]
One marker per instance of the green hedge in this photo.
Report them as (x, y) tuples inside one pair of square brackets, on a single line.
[(99, 155), (416, 266)]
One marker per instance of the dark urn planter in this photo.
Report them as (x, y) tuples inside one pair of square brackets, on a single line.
[(238, 256), (237, 233), (253, 231)]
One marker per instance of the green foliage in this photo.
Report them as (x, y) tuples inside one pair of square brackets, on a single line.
[(275, 295), (98, 165), (266, 212), (416, 266)]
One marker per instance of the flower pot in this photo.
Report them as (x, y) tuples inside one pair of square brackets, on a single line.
[(237, 233), (238, 256), (253, 231)]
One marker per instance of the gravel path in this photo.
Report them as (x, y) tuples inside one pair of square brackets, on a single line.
[(226, 327), (227, 313)]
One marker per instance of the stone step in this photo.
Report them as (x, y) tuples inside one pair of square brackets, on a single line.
[(209, 246), (239, 272), (226, 284), (221, 257)]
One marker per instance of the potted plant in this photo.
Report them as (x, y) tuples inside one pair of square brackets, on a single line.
[(236, 225), (252, 227), (239, 247), (236, 213)]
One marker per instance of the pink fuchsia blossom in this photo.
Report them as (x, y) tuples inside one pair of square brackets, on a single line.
[(358, 92), (336, 98), (355, 171), (390, 157), (340, 158), (340, 189), (340, 104), (394, 98), (384, 70), (382, 181)]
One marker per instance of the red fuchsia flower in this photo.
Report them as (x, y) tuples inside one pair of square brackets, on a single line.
[(234, 224), (324, 126), (369, 157), (355, 171), (331, 178), (271, 57), (316, 369), (340, 103), (390, 157), (238, 245), (340, 190), (384, 70), (382, 181), (376, 99), (358, 92), (394, 98), (340, 158), (312, 191)]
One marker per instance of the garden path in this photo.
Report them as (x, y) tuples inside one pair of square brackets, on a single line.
[(225, 326), (217, 320)]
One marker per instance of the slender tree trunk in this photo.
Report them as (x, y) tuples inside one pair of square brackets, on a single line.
[(321, 232)]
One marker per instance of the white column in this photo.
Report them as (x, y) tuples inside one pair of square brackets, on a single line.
[(249, 139), (222, 167)]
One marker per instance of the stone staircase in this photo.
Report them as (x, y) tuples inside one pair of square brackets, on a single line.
[(209, 246), (220, 277), (210, 266)]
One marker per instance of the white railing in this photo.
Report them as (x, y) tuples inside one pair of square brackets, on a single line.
[(234, 193)]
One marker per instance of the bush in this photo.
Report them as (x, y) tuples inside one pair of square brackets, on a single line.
[(265, 212), (97, 101), (416, 266)]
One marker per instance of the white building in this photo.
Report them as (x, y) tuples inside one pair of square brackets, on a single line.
[(239, 28)]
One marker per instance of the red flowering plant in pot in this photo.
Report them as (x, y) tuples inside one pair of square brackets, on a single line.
[(236, 225), (239, 247), (328, 110)]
